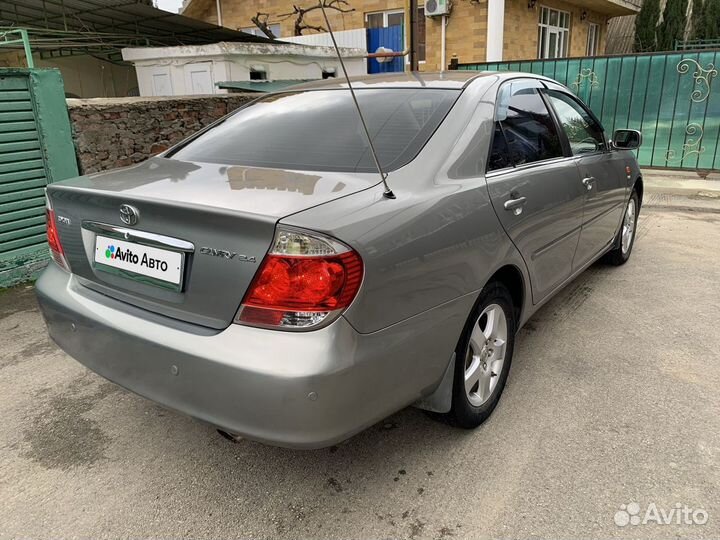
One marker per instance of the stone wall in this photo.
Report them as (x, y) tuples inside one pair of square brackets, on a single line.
[(116, 132)]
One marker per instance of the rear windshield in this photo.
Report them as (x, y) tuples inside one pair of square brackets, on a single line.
[(320, 130)]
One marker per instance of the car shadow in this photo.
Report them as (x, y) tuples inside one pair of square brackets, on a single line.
[(409, 458)]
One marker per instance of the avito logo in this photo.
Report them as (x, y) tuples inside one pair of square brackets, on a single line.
[(126, 256)]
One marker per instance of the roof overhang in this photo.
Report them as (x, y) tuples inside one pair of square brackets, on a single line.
[(99, 26), (611, 8), (229, 49)]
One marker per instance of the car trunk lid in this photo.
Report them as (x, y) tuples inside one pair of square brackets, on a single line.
[(216, 222)]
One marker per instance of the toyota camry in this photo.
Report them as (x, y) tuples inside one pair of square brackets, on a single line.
[(264, 276)]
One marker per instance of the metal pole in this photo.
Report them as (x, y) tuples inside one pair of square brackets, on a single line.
[(442, 44), (413, 35), (218, 7), (26, 46)]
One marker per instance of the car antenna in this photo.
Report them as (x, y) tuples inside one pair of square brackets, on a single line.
[(388, 193)]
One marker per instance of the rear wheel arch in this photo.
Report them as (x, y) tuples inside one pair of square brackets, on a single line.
[(440, 401), (511, 276)]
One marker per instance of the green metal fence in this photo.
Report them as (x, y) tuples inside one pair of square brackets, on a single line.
[(696, 44), (672, 98), (36, 148)]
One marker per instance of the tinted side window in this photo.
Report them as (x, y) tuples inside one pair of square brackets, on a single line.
[(583, 132), (499, 152), (529, 130)]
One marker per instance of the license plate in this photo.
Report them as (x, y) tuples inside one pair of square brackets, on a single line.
[(138, 259)]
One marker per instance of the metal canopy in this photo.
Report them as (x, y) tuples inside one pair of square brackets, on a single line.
[(97, 26)]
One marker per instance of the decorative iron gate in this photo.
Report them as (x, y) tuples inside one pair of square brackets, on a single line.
[(36, 148), (672, 98)]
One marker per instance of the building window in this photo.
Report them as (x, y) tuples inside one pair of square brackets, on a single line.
[(421, 34), (255, 31), (553, 33), (258, 73), (593, 41), (383, 19)]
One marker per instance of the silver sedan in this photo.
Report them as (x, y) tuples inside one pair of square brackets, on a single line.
[(258, 275)]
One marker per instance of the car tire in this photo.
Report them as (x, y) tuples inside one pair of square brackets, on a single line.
[(625, 239), (483, 357)]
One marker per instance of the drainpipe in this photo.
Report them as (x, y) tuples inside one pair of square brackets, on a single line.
[(442, 42), (218, 7), (383, 52), (413, 12)]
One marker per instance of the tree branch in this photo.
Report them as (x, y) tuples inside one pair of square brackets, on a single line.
[(261, 21), (342, 6)]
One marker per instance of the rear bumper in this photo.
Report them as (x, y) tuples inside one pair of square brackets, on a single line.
[(304, 390)]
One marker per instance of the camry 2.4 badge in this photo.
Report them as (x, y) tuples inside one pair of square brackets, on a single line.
[(226, 254)]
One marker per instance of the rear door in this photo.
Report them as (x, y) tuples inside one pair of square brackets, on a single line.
[(600, 172), (534, 186)]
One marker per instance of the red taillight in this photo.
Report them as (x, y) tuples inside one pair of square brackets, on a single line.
[(53, 239), (302, 290)]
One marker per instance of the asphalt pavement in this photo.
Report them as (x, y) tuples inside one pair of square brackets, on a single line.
[(609, 426)]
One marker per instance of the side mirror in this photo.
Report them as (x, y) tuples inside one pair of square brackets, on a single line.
[(627, 139)]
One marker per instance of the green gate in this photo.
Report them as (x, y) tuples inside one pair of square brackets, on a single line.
[(671, 97), (36, 148)]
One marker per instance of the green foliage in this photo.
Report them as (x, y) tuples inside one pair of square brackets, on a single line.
[(673, 26), (698, 16), (706, 19), (646, 26)]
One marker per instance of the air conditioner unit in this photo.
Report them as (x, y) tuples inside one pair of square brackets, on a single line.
[(434, 8)]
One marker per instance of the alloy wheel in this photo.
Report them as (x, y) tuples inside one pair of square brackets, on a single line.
[(485, 355), (628, 230)]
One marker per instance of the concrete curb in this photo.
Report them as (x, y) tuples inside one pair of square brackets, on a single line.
[(682, 183), (681, 191)]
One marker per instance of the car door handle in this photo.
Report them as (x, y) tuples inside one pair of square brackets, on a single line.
[(515, 204), (588, 182)]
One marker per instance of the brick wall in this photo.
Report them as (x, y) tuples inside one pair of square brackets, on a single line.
[(465, 35), (238, 13), (117, 132), (466, 32), (521, 28)]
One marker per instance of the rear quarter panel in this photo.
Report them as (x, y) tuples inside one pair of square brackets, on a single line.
[(438, 240)]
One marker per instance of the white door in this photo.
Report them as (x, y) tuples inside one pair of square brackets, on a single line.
[(161, 83), (198, 78)]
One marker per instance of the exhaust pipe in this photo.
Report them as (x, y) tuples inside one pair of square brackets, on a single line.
[(229, 436)]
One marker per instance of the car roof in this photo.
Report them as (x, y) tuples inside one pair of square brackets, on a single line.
[(408, 79), (413, 79)]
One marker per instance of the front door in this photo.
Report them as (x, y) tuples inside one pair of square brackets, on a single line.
[(601, 173), (534, 187)]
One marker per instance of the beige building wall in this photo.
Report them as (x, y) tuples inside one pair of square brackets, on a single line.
[(465, 35), (238, 14), (466, 29), (521, 28)]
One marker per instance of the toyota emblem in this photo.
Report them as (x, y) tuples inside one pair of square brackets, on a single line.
[(129, 215)]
